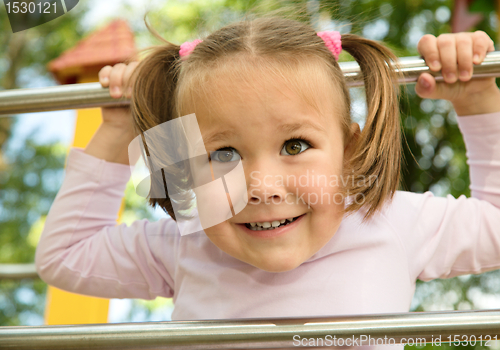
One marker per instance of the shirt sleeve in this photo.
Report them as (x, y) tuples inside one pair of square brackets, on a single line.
[(83, 250), (447, 237)]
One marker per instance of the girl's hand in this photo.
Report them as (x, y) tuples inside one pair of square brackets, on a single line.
[(111, 140), (454, 55), (118, 80)]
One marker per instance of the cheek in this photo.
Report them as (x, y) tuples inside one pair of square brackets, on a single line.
[(320, 183), (323, 190)]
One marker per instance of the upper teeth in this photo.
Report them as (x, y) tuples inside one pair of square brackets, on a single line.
[(267, 224)]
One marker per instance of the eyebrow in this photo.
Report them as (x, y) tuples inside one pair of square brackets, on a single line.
[(219, 136), (292, 127), (283, 128)]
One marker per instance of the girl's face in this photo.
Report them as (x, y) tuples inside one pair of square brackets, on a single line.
[(292, 156)]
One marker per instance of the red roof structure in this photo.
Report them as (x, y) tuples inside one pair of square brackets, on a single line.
[(108, 46)]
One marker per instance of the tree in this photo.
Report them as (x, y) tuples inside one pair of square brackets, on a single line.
[(29, 186)]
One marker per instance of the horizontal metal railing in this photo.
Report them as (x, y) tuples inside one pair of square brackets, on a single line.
[(93, 95), (17, 271), (465, 327)]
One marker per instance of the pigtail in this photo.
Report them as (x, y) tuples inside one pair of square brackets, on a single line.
[(154, 84), (375, 161), (152, 104)]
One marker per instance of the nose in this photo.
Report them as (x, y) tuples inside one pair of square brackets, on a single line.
[(266, 184)]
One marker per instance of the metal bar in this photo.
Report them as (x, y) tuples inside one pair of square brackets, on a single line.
[(412, 67), (55, 98), (260, 333), (17, 271), (93, 95)]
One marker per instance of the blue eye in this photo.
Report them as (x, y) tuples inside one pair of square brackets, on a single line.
[(294, 147), (225, 155)]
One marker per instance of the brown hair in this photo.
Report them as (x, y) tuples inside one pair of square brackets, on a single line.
[(163, 80)]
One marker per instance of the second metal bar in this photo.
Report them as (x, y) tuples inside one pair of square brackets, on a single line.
[(93, 95), (17, 271), (387, 329)]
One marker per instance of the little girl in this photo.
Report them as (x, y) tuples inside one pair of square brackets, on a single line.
[(269, 93)]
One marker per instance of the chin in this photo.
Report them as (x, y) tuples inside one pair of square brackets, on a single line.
[(273, 265), (265, 255)]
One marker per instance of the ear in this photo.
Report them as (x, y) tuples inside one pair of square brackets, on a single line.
[(355, 131)]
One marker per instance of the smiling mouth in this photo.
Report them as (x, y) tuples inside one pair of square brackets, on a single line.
[(266, 226)]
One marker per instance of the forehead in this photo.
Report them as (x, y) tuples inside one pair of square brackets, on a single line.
[(240, 85)]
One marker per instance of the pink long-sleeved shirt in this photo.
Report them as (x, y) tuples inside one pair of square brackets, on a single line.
[(363, 269)]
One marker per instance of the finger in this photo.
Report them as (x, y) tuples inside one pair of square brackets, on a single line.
[(104, 75), (427, 47), (116, 81), (448, 54), (482, 45), (464, 56), (435, 90), (127, 83), (426, 85)]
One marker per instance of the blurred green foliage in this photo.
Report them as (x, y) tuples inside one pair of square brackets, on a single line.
[(28, 188), (30, 176)]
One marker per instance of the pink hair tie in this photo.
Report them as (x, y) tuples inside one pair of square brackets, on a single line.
[(332, 42), (188, 46)]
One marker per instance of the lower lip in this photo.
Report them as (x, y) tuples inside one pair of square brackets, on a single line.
[(272, 233)]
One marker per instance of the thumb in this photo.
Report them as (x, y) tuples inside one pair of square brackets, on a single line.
[(428, 88)]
